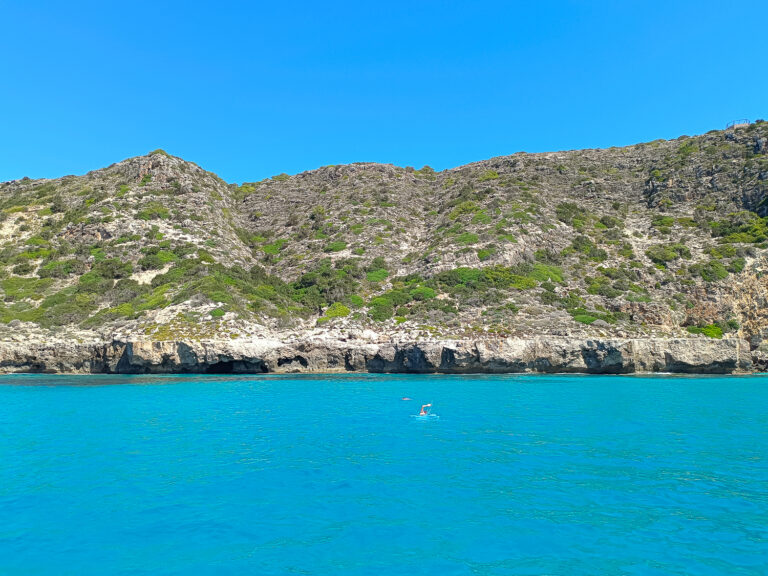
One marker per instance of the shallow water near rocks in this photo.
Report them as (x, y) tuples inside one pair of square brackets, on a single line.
[(330, 475)]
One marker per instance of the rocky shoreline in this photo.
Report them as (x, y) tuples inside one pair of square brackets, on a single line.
[(489, 356)]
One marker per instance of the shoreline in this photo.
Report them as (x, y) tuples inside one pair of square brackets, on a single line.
[(311, 375)]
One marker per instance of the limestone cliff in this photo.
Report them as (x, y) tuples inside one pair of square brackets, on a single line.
[(543, 355), (647, 257)]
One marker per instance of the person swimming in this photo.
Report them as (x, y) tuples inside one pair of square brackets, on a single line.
[(424, 411)]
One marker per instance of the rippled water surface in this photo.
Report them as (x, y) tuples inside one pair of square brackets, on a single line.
[(331, 475)]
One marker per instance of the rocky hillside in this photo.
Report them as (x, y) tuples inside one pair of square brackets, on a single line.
[(658, 240)]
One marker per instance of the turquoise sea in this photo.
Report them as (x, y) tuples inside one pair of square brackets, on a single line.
[(331, 475)]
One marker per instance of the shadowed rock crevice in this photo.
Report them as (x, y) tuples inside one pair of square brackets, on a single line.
[(286, 362), (447, 360), (235, 367), (603, 358)]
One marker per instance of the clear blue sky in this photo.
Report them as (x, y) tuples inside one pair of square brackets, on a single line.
[(252, 89)]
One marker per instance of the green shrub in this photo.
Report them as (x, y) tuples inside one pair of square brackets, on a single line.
[(154, 300), (124, 310), (36, 241), (466, 207), (423, 293), (522, 282), (381, 308), (626, 251), (549, 298), (274, 247), (98, 253), (713, 271), (467, 238), (736, 265), (16, 288), (544, 272), (611, 222), (155, 258), (686, 149), (183, 250), (113, 268), (23, 268), (567, 211), (741, 227), (663, 253), (584, 318), (217, 313), (58, 298), (124, 239), (61, 269), (166, 256), (481, 218), (741, 238), (499, 277), (124, 291), (150, 262), (602, 286), (205, 256), (74, 310), (548, 286), (426, 172), (152, 211), (710, 330), (585, 245), (488, 175), (58, 205), (398, 297), (337, 310), (485, 253), (93, 282), (34, 254), (660, 221), (335, 246), (377, 275)]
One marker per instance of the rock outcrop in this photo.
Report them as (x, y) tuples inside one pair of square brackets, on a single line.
[(542, 355)]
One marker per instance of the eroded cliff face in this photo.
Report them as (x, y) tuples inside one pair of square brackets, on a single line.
[(542, 355)]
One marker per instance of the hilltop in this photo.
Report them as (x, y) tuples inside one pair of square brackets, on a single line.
[(659, 242)]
